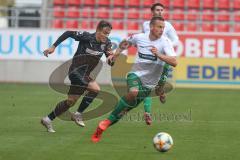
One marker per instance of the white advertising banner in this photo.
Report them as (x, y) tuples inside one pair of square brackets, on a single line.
[(23, 44)]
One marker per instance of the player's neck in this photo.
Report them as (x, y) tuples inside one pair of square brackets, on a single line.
[(97, 38), (152, 37)]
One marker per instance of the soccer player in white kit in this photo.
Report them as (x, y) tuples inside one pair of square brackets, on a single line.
[(157, 9), (154, 50)]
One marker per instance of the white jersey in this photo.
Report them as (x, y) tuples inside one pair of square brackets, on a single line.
[(147, 66), (168, 31)]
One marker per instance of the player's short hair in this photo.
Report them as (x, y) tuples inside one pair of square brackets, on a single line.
[(103, 24), (155, 5), (155, 18)]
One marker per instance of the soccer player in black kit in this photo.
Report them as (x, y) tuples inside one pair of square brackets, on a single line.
[(91, 47)]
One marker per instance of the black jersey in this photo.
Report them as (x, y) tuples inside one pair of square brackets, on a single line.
[(89, 50)]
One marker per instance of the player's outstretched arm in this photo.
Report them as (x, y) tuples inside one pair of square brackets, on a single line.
[(64, 36), (171, 60), (172, 35)]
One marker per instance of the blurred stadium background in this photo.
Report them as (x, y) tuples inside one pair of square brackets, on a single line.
[(209, 59)]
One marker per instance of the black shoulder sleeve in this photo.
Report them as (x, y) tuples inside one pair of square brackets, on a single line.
[(73, 34)]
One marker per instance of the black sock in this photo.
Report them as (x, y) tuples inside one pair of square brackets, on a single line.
[(52, 115), (86, 101), (60, 108)]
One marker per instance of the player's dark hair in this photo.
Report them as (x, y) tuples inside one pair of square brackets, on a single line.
[(155, 5), (155, 18), (103, 24)]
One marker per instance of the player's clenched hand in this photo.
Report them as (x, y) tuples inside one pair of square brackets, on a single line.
[(124, 44), (109, 52), (49, 51), (154, 51), (111, 59)]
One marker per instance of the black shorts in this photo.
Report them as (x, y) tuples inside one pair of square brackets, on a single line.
[(79, 83)]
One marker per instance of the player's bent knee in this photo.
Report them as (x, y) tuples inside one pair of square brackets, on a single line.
[(97, 89), (134, 92)]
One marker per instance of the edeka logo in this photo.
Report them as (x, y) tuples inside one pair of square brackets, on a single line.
[(209, 72)]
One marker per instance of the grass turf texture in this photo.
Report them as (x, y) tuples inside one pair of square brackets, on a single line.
[(204, 125)]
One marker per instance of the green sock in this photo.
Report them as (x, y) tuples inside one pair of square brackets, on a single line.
[(147, 104), (120, 109)]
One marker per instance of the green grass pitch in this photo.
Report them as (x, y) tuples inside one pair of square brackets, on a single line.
[(204, 124)]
